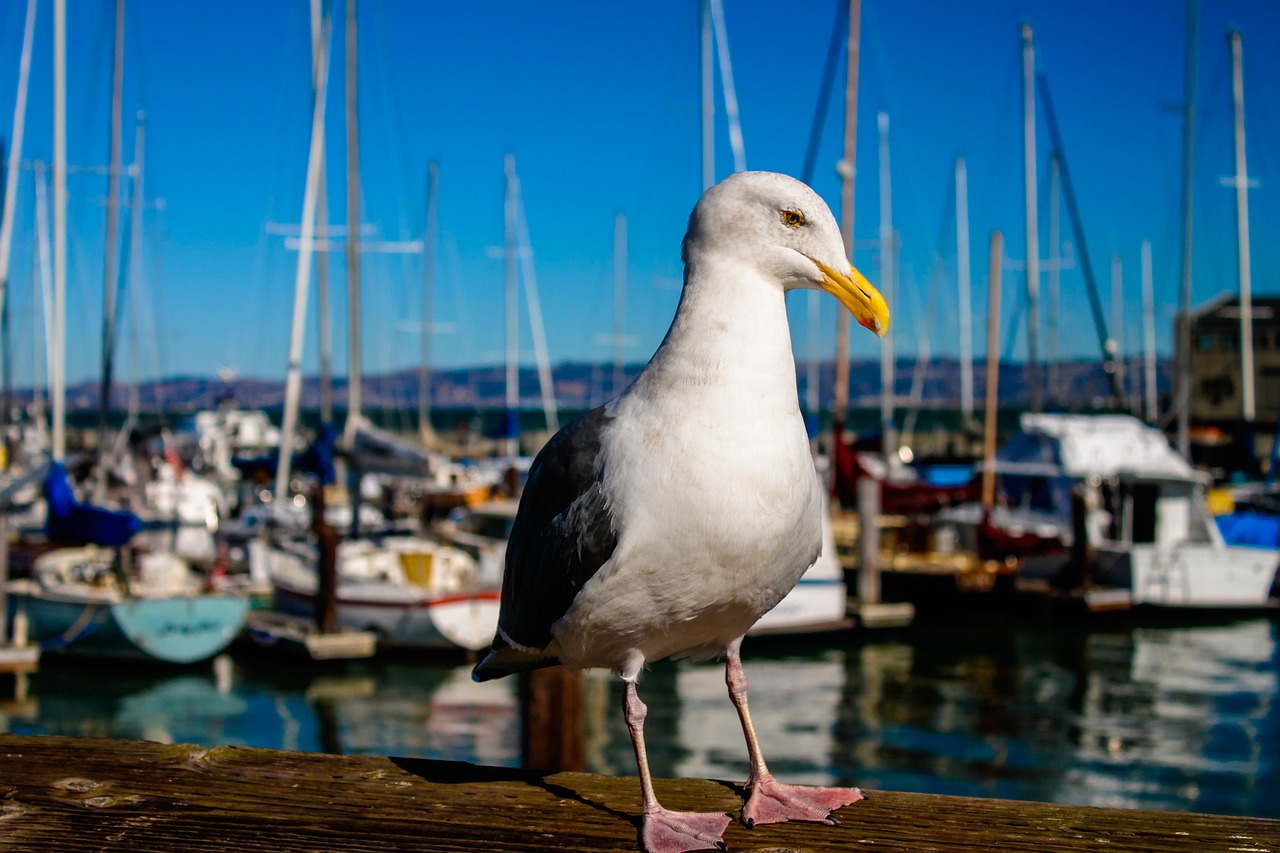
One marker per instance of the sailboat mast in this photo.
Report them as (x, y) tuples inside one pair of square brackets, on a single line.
[(1032, 218), (58, 382), (428, 302), (1117, 323), (1149, 332), (962, 264), (15, 153), (138, 204), (1054, 278), (848, 173), (542, 360), (319, 18), (302, 279), (726, 86), (6, 349), (44, 283), (619, 296), (323, 311), (708, 100), (1241, 182), (113, 230), (995, 264), (1182, 384), (888, 271), (512, 307), (354, 390)]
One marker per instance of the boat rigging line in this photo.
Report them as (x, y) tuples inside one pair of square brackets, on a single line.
[(1106, 343)]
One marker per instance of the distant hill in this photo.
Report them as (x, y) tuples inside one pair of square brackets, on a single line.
[(582, 385)]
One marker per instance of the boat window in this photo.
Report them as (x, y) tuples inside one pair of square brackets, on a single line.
[(1145, 496), (1216, 389)]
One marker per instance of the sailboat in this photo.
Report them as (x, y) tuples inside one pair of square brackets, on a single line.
[(96, 596), (92, 593), (408, 590)]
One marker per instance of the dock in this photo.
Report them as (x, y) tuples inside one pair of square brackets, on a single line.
[(105, 795)]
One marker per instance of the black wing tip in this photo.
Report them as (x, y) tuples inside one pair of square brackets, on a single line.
[(503, 660)]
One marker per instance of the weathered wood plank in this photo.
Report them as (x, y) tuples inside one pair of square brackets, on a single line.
[(109, 795)]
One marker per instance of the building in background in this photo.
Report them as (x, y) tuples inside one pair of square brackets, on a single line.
[(1219, 434)]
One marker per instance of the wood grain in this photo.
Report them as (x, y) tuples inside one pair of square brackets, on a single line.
[(80, 794)]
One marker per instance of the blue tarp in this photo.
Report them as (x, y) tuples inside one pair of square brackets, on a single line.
[(947, 476), (74, 523), (1255, 529), (317, 459)]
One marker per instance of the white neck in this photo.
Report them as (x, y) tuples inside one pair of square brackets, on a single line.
[(729, 341)]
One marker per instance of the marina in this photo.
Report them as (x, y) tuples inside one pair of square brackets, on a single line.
[(378, 537)]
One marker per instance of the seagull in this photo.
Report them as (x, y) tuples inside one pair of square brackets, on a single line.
[(666, 522)]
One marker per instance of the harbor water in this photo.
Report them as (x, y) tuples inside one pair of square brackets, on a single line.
[(1154, 716)]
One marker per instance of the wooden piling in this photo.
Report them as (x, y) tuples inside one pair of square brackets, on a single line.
[(868, 541), (326, 614), (552, 731), (118, 795)]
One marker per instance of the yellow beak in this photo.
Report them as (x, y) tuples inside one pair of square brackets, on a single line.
[(858, 295)]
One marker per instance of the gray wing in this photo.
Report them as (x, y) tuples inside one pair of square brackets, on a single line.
[(563, 533)]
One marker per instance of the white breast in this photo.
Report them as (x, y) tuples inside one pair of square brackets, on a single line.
[(713, 490)]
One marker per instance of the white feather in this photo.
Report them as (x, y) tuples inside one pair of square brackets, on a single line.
[(707, 465)]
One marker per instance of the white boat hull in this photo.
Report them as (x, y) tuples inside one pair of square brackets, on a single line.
[(462, 620), (1208, 575)]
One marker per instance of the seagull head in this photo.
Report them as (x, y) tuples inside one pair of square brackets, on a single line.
[(787, 232)]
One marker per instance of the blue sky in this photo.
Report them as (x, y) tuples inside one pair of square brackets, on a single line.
[(599, 102)]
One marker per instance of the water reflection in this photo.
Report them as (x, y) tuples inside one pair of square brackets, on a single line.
[(391, 708), (1180, 718), (1159, 717)]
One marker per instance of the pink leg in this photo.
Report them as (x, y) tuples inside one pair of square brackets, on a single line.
[(664, 831), (770, 800)]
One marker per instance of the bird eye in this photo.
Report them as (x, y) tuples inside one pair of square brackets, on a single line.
[(792, 218)]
